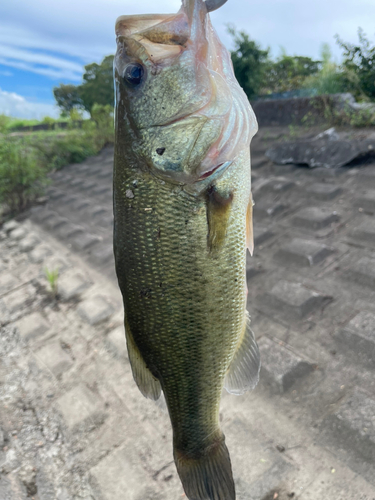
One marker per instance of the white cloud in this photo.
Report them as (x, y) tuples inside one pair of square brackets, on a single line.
[(12, 104)]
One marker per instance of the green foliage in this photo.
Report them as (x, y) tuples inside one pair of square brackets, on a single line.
[(288, 73), (359, 64), (97, 87), (5, 122), (22, 178), (249, 62), (98, 84), (329, 80), (67, 97), (52, 277)]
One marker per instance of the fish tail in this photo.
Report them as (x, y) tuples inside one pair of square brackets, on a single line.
[(207, 475)]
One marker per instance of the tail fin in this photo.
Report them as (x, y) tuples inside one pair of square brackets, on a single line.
[(209, 476)]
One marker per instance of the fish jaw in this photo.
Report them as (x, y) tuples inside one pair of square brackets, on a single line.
[(188, 116)]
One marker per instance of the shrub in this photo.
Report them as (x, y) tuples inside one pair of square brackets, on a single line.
[(22, 178)]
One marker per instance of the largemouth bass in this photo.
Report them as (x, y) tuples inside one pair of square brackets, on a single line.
[(183, 221)]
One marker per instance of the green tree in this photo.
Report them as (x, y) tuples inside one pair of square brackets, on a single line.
[(249, 62), (288, 73), (97, 86), (359, 66), (67, 97), (330, 78)]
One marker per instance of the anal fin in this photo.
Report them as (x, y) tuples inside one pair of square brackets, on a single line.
[(243, 373), (148, 385)]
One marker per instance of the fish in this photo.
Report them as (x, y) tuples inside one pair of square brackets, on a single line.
[(182, 226)]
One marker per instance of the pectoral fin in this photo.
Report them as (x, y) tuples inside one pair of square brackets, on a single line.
[(148, 385), (243, 373), (218, 211)]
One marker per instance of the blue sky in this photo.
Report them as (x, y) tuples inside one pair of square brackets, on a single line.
[(44, 43)]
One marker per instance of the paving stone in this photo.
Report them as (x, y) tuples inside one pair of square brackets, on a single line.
[(95, 310), (364, 232), (116, 339), (10, 226), (261, 234), (88, 186), (72, 285), (19, 298), (367, 201), (359, 336), (32, 326), (302, 252), (29, 243), (56, 194), (352, 425), (80, 406), (362, 272), (55, 222), (55, 358), (105, 173), (7, 282), (70, 230), (281, 368), (42, 214), (265, 208), (11, 488), (55, 263), (39, 254), (106, 222), (84, 241), (76, 183), (258, 162), (118, 472), (80, 205), (324, 192), (98, 212), (293, 299), (315, 217), (103, 254), (18, 233)]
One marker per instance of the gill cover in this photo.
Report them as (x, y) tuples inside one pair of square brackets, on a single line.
[(177, 95)]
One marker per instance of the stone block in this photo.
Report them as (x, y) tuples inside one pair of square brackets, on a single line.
[(362, 272), (315, 217), (324, 192), (106, 222), (261, 234), (103, 254), (29, 243), (281, 368), (32, 326), (367, 201), (39, 253), (293, 299), (258, 162), (42, 215), (18, 234), (98, 212), (54, 263), (10, 226), (19, 298), (55, 222), (117, 342), (53, 357), (81, 205), (265, 208), (300, 252), (72, 285), (55, 194), (352, 426), (81, 407), (85, 241), (7, 282), (365, 232), (359, 336), (88, 186), (120, 472), (70, 230), (95, 310)]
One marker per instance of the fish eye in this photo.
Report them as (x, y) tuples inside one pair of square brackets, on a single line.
[(133, 74)]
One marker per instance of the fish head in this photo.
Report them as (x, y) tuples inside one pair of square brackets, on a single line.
[(177, 97)]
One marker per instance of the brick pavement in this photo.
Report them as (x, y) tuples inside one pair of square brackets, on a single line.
[(74, 426)]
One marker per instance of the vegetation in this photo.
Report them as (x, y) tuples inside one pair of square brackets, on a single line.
[(26, 161), (97, 88), (52, 277)]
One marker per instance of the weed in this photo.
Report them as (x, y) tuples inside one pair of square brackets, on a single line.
[(52, 278)]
